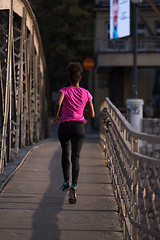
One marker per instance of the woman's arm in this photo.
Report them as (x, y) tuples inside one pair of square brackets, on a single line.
[(58, 107), (90, 110)]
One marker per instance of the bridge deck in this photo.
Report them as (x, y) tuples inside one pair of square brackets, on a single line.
[(33, 208)]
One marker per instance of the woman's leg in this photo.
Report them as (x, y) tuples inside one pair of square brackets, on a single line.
[(64, 140), (77, 143)]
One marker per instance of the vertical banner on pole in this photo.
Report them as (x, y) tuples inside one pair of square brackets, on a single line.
[(119, 18)]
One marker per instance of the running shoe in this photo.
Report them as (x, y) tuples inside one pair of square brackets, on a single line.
[(72, 194), (65, 187)]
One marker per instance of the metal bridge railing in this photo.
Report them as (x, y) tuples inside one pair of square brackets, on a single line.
[(23, 80), (136, 178)]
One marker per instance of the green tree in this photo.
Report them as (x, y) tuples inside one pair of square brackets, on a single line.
[(66, 28)]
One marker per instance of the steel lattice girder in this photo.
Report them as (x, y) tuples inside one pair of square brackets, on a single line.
[(23, 87)]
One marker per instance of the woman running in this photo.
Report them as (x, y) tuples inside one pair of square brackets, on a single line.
[(71, 128)]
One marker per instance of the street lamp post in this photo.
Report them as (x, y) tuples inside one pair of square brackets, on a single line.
[(134, 84), (135, 105)]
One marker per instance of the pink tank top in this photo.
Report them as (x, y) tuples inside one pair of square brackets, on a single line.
[(75, 99)]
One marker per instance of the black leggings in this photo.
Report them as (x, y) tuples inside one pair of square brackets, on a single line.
[(74, 131)]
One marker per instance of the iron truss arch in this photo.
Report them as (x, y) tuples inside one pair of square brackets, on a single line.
[(24, 104)]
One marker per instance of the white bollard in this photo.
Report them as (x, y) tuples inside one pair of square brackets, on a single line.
[(135, 112)]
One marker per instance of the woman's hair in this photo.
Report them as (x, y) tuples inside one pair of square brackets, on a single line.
[(74, 71)]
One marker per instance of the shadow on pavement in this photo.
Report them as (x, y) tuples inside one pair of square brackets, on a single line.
[(45, 221)]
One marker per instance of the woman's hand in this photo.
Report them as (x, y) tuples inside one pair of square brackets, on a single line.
[(90, 110), (56, 120), (58, 107)]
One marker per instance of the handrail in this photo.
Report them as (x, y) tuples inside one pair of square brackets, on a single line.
[(130, 129), (136, 177)]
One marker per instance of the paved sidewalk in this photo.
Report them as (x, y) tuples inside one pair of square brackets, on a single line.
[(33, 208)]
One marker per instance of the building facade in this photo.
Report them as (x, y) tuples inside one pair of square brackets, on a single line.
[(113, 74)]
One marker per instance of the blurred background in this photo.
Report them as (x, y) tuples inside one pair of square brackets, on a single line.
[(73, 30)]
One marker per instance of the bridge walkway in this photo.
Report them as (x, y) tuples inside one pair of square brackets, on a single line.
[(33, 208)]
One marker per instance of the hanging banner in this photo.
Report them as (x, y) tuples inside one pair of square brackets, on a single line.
[(119, 18)]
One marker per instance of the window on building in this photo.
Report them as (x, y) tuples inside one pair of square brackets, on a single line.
[(157, 28), (100, 2), (141, 32), (107, 30), (157, 32), (108, 42), (102, 82)]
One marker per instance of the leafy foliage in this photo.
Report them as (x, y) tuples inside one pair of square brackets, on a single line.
[(66, 28)]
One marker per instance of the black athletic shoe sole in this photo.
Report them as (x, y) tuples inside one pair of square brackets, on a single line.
[(72, 197)]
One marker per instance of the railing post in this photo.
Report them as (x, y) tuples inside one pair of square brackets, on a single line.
[(134, 192), (124, 134)]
